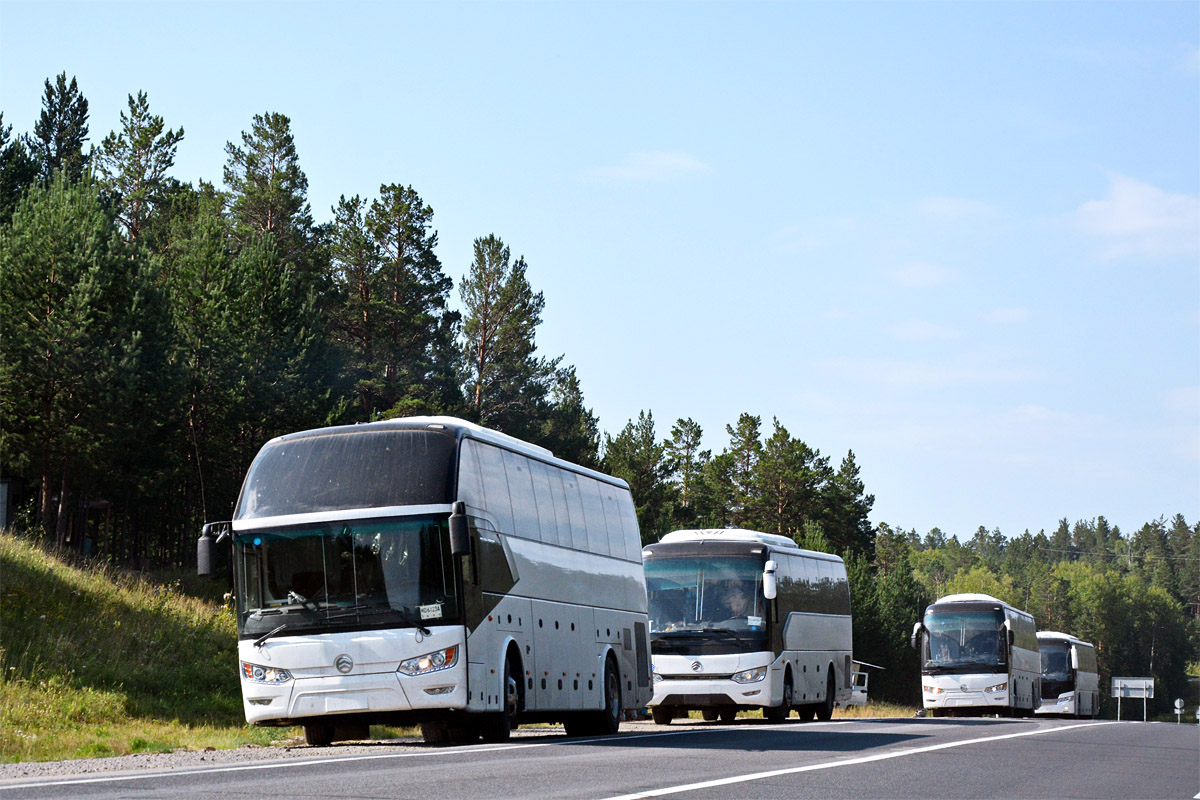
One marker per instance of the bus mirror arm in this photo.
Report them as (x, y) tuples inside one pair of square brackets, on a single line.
[(211, 535), (460, 534), (770, 587), (916, 635)]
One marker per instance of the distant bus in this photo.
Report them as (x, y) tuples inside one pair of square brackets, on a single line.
[(430, 571), (978, 655), (744, 620), (1070, 676)]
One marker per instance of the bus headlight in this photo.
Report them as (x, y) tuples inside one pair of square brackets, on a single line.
[(932, 689), (256, 674), (750, 675), (430, 662), (999, 687)]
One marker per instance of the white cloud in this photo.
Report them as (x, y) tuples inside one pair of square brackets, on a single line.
[(1139, 220), (648, 167), (918, 330), (1008, 316), (922, 275)]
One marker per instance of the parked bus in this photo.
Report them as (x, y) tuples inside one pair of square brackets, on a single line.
[(743, 620), (979, 655), (427, 570), (1070, 679)]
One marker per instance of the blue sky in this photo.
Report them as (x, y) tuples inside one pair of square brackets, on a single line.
[(962, 240)]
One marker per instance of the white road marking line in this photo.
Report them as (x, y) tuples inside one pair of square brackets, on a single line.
[(691, 787), (447, 751)]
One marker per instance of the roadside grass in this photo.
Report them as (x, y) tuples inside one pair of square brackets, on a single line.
[(97, 662)]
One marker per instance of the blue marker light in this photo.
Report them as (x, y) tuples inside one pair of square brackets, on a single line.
[(257, 541)]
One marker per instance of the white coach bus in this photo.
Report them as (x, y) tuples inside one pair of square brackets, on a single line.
[(427, 570), (1070, 679), (979, 655), (742, 620)]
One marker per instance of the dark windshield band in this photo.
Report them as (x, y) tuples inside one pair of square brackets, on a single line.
[(347, 574)]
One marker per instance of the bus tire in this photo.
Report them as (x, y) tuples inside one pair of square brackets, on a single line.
[(435, 733), (780, 713), (606, 721), (662, 715), (318, 733), (497, 727), (728, 715), (710, 714), (825, 710)]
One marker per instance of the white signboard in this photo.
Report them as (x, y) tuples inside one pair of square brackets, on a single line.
[(1133, 687)]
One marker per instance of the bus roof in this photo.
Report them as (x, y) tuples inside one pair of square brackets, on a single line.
[(1051, 635), (458, 428), (774, 540), (978, 598)]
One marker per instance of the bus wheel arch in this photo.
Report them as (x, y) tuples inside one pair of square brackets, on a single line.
[(498, 726)]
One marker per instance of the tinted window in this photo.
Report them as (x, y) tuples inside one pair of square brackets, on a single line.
[(470, 484), (547, 518), (495, 486), (593, 513), (570, 482), (612, 518), (520, 487), (354, 469)]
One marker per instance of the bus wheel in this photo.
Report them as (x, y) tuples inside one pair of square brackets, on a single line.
[(728, 715), (662, 715), (599, 723), (781, 712), (499, 726), (435, 733), (825, 710), (318, 734), (609, 721), (709, 714), (806, 713)]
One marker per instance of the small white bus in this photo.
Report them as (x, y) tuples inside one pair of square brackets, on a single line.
[(979, 655), (430, 571), (743, 620), (1070, 679)]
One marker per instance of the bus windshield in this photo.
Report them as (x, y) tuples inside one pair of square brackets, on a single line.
[(963, 640), (705, 593), (348, 574)]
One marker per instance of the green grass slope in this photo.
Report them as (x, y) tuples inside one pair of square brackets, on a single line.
[(93, 662)]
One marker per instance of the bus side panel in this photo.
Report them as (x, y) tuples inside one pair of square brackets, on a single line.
[(572, 576), (812, 642)]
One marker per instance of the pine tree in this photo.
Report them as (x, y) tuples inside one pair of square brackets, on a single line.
[(268, 190), (74, 307), (570, 429), (745, 450), (636, 457), (847, 507), (18, 170), (132, 165), (61, 130), (507, 383), (685, 461)]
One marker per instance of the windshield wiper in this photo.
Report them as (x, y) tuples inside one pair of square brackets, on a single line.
[(405, 617), (262, 639)]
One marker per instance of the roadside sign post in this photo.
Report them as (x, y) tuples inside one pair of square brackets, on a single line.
[(1133, 687), (1178, 709)]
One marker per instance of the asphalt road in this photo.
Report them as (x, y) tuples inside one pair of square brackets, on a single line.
[(893, 758)]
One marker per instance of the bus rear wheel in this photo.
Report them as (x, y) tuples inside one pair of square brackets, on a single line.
[(499, 726), (605, 722), (825, 710)]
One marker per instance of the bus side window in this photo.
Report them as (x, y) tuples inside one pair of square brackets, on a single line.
[(593, 513), (495, 486)]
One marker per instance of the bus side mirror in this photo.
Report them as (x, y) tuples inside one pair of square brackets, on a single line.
[(460, 534), (770, 587), (1074, 659), (1012, 637), (207, 556), (915, 639)]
